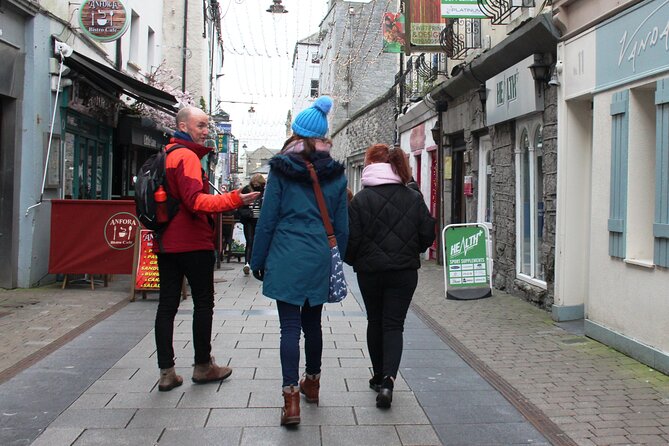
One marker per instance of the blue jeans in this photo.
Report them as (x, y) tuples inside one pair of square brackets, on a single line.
[(294, 319)]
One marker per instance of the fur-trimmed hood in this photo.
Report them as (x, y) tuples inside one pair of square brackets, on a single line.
[(292, 166)]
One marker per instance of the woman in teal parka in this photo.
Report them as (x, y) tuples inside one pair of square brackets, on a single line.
[(291, 254)]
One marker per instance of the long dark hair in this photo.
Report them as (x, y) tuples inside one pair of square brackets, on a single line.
[(381, 153)]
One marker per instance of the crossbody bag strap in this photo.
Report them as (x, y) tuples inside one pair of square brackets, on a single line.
[(321, 205)]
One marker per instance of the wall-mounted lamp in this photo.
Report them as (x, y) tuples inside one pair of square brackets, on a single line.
[(541, 68), (277, 8), (251, 109), (483, 93), (436, 132)]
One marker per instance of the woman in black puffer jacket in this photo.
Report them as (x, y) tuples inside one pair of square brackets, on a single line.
[(389, 226)]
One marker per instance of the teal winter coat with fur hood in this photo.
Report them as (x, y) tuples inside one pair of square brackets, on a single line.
[(290, 242)]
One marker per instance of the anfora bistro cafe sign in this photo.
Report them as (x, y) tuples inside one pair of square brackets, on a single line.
[(103, 20)]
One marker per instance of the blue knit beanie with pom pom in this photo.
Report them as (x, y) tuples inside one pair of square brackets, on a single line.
[(313, 121)]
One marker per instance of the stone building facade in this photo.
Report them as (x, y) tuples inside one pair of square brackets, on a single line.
[(373, 124), (354, 69)]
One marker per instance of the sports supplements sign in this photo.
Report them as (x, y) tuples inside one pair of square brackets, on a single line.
[(466, 261), (103, 20)]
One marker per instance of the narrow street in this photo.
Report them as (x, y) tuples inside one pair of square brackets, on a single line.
[(493, 371)]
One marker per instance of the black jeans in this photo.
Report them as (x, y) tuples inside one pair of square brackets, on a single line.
[(198, 268), (294, 319), (387, 297), (249, 233)]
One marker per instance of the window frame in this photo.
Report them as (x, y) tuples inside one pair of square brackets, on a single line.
[(529, 127)]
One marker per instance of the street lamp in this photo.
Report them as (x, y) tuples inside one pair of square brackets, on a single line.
[(277, 8)]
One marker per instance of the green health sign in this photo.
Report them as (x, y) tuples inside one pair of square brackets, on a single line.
[(466, 261)]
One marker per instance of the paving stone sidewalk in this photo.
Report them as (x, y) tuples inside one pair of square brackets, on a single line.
[(593, 393), (34, 319), (101, 387)]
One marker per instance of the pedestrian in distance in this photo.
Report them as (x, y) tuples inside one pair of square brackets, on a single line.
[(291, 253), (187, 249), (248, 215), (389, 226)]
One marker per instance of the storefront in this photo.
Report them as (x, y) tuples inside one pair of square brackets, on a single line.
[(499, 140), (616, 180), (137, 139)]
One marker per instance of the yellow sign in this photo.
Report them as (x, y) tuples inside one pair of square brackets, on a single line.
[(448, 168)]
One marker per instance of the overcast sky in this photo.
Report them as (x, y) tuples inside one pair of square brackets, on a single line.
[(259, 50)]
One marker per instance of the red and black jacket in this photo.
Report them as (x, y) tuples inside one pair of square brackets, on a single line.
[(190, 229)]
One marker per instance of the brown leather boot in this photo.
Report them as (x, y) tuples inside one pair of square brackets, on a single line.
[(210, 372), (309, 386), (169, 380), (290, 413)]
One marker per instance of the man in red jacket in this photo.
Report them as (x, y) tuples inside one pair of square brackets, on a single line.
[(187, 249)]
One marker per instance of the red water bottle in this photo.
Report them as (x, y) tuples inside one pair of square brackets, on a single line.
[(160, 197)]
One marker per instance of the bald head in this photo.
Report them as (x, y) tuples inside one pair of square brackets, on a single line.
[(185, 113), (195, 122)]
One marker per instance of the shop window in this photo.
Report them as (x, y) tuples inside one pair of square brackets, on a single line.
[(530, 202), (485, 182), (641, 177)]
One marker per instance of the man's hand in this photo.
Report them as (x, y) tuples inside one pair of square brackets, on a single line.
[(259, 274), (248, 198)]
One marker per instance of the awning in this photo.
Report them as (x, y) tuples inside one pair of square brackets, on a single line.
[(539, 35), (106, 76)]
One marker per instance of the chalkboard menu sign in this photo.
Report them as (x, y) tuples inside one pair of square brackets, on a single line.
[(145, 275)]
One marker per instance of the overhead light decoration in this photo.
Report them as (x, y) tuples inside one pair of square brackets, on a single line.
[(277, 8)]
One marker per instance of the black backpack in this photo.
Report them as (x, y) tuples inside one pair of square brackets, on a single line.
[(151, 175)]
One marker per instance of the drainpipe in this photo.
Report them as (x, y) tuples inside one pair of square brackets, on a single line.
[(185, 47)]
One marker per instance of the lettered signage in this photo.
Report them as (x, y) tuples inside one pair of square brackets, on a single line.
[(103, 20)]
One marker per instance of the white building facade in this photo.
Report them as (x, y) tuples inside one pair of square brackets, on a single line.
[(612, 253), (306, 73)]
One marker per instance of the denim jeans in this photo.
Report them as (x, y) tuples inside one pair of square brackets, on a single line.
[(294, 319), (198, 268), (387, 296)]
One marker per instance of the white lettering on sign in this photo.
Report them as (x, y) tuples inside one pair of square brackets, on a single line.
[(466, 244), (635, 45)]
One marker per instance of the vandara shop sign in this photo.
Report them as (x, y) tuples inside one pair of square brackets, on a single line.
[(104, 21)]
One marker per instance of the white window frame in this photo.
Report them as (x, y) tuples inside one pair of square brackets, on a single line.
[(529, 125), (485, 148)]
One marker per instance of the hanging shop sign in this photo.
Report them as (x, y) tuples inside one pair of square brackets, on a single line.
[(425, 23), (103, 21), (393, 32), (459, 9), (466, 251)]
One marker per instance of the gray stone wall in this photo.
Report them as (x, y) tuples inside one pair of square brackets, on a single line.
[(504, 202), (374, 124), (550, 190)]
